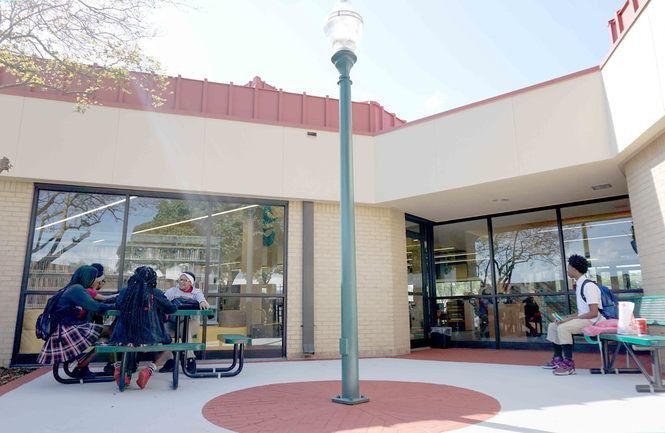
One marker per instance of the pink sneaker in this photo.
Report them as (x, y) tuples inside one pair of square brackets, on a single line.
[(553, 363), (565, 368)]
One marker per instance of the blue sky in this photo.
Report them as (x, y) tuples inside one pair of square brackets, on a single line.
[(416, 58)]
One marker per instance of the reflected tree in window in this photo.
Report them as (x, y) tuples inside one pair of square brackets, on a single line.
[(517, 247), (66, 219)]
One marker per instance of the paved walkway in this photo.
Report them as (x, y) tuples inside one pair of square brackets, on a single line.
[(406, 395)]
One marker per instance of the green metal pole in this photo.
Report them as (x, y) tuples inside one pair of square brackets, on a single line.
[(348, 343)]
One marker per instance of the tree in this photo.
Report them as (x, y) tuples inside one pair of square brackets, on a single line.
[(80, 47), (525, 245), (64, 221)]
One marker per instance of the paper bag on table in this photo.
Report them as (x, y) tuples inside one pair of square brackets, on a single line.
[(626, 325)]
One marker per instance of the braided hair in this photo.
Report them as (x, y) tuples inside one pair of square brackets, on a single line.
[(137, 303)]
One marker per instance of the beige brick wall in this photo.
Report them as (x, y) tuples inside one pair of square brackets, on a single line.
[(645, 173), (383, 326), (294, 282), (15, 204)]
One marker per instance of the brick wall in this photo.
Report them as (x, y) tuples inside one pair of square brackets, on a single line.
[(15, 204), (383, 326), (645, 173), (294, 282)]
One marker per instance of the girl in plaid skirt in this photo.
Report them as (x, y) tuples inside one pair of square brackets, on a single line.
[(73, 335)]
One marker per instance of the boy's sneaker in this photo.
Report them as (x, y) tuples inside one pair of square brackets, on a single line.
[(191, 365), (565, 368), (168, 366), (144, 377), (553, 363), (116, 376)]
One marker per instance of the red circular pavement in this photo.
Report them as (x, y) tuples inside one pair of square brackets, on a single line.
[(402, 407)]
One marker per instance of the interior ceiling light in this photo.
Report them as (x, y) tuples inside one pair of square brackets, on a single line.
[(601, 186), (500, 200)]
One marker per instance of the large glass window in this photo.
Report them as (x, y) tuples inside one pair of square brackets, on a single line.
[(527, 253), (525, 318), (528, 284), (168, 235), (247, 249), (461, 259), (72, 229), (236, 250), (603, 233)]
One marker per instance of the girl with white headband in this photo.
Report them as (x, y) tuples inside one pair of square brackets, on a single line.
[(186, 289)]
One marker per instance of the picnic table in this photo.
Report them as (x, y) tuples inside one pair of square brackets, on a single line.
[(128, 353), (238, 341), (651, 308), (181, 344)]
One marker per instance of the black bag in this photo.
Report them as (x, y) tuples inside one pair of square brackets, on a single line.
[(47, 322)]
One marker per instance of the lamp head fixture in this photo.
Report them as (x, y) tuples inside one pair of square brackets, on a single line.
[(344, 27)]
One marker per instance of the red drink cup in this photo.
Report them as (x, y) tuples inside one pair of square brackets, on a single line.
[(641, 326)]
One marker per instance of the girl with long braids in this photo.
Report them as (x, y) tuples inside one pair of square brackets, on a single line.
[(142, 308)]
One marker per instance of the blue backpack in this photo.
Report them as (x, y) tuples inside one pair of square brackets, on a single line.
[(609, 300)]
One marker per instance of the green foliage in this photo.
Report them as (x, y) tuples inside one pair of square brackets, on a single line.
[(81, 47)]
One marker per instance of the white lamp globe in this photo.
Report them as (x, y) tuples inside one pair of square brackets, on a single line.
[(344, 26)]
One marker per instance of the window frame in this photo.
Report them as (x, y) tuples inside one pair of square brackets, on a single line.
[(29, 359)]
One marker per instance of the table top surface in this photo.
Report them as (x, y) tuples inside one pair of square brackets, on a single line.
[(185, 313), (642, 340)]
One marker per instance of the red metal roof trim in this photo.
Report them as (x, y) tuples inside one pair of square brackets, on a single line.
[(622, 22), (254, 102)]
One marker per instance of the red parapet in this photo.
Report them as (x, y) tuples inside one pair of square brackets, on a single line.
[(624, 18), (255, 101)]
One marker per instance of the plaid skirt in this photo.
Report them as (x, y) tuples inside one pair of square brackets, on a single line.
[(69, 343)]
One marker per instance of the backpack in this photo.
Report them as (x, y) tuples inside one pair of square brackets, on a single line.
[(609, 300), (47, 322)]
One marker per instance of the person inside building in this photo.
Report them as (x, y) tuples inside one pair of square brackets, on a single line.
[(560, 333), (74, 334), (186, 292), (142, 308), (532, 317)]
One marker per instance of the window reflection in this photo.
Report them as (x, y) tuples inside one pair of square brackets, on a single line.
[(168, 235), (525, 318), (72, 229), (247, 249), (603, 233), (236, 248), (260, 318), (415, 293), (34, 306), (527, 253), (461, 259)]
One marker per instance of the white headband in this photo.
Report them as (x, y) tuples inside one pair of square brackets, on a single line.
[(189, 277), (99, 278)]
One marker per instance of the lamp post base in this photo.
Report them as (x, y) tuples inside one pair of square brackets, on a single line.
[(350, 401)]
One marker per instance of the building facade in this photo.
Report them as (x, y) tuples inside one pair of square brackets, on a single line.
[(240, 185)]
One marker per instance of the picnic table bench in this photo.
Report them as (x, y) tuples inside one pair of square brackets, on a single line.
[(180, 345), (128, 354), (651, 308)]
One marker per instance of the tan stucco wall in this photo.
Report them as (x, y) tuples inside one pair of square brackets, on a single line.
[(383, 326), (15, 204), (645, 173)]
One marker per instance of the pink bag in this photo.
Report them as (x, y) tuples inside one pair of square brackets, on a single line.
[(609, 326)]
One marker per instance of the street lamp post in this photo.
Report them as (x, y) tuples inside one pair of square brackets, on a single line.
[(344, 28)]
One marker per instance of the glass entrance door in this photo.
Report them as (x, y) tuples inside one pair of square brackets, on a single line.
[(417, 288)]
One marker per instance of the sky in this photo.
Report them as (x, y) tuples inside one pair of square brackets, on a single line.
[(416, 58)]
